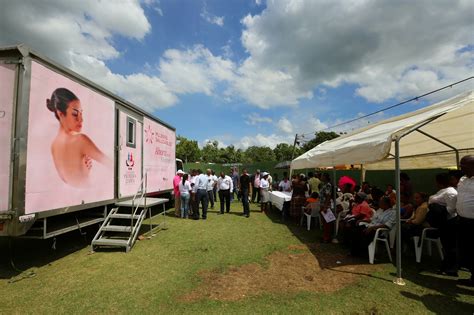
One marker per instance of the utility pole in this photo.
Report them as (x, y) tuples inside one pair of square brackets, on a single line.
[(294, 147)]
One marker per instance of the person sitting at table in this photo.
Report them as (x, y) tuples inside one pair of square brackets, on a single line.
[(285, 185), (298, 197)]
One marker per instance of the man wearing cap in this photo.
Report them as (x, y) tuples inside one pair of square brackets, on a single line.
[(177, 197)]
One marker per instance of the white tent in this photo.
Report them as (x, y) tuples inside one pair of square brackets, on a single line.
[(450, 122), (432, 137)]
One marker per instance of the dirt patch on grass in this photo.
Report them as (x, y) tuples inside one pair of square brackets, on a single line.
[(304, 268)]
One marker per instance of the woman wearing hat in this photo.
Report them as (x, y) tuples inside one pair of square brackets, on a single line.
[(264, 195)]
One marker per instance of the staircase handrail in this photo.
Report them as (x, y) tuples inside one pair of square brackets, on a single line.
[(142, 191)]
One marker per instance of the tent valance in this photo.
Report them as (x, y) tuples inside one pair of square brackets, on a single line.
[(442, 129)]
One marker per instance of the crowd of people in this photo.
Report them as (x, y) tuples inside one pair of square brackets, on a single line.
[(362, 209)]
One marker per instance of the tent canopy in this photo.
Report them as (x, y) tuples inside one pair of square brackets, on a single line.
[(450, 121)]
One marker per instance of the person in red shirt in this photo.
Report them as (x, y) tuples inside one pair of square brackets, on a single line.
[(177, 196), (361, 210)]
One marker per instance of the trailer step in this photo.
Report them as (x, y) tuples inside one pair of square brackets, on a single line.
[(110, 242), (117, 228), (124, 216)]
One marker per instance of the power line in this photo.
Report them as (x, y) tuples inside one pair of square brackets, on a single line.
[(390, 107)]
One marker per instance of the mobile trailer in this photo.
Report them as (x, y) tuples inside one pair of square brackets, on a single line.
[(41, 188)]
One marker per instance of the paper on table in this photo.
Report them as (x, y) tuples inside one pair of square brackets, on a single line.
[(328, 216)]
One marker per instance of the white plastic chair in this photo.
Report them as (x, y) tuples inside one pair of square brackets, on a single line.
[(373, 245), (315, 207), (428, 241)]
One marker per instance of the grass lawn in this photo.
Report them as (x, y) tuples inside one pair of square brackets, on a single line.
[(226, 264)]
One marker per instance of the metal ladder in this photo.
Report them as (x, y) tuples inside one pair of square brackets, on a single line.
[(121, 229)]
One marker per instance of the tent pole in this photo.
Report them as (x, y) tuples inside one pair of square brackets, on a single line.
[(362, 173), (399, 279)]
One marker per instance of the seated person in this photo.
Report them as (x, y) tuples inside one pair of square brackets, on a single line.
[(417, 222), (362, 236), (284, 185), (406, 207), (392, 194), (312, 204), (361, 210)]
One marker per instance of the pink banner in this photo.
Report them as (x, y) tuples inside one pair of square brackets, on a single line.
[(130, 163), (7, 87), (70, 143), (159, 156)]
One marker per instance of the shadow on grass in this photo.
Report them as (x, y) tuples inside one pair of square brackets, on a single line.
[(19, 254), (440, 304)]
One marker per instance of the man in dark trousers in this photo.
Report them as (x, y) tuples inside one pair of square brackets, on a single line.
[(244, 188), (255, 179), (224, 187), (465, 211)]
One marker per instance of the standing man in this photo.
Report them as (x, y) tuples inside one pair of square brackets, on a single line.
[(210, 187), (235, 184), (224, 187), (256, 186), (244, 187), (194, 206), (465, 210), (177, 196), (201, 196), (214, 190)]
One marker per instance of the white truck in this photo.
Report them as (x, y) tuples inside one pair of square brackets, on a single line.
[(70, 149)]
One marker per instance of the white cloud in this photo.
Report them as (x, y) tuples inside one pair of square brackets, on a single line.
[(390, 49), (213, 19), (194, 70), (255, 119), (155, 5), (262, 140), (285, 125), (78, 34)]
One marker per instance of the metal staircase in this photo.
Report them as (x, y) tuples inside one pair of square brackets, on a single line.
[(121, 229)]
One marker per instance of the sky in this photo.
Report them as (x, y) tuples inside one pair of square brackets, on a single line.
[(255, 72)]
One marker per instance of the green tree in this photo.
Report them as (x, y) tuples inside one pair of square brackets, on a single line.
[(259, 154), (187, 150), (210, 152), (319, 138), (283, 152)]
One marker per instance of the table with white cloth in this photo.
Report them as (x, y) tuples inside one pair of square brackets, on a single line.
[(278, 199)]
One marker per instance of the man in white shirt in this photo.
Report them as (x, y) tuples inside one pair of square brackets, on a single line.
[(284, 185), (193, 200), (465, 211), (446, 197), (224, 187), (210, 187), (201, 182)]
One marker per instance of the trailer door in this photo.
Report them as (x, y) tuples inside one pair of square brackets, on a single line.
[(130, 154), (7, 98)]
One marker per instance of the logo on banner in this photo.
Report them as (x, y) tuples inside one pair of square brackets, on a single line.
[(130, 162), (149, 134)]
